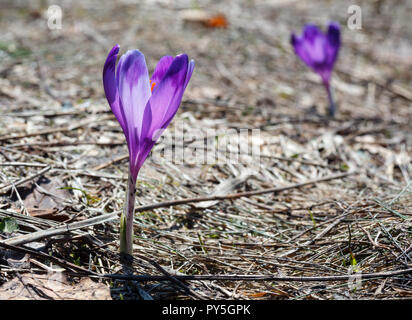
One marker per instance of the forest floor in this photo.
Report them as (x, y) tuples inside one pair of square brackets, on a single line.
[(327, 213)]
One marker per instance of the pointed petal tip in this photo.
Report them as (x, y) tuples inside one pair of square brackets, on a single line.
[(182, 59), (333, 33), (310, 26), (311, 30), (191, 64), (190, 68), (182, 55), (180, 62), (134, 52), (293, 39), (132, 63), (114, 50), (334, 25), (161, 68)]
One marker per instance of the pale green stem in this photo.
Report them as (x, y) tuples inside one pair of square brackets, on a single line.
[(126, 219)]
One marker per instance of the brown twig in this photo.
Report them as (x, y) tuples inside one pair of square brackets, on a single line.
[(54, 130), (6, 188), (59, 261), (60, 230), (247, 277), (109, 163), (241, 194)]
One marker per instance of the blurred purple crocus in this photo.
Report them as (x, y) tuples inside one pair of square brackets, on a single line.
[(319, 51), (144, 108)]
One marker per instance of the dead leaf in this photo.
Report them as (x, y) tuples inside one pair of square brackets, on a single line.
[(39, 198), (217, 21), (50, 214), (208, 19), (257, 294), (45, 199), (52, 286)]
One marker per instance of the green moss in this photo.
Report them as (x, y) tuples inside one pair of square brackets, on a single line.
[(14, 51)]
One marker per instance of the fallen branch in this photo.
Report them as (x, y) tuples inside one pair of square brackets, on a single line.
[(59, 261), (227, 277), (109, 163), (55, 130), (248, 277), (112, 216), (6, 188), (60, 230), (240, 194)]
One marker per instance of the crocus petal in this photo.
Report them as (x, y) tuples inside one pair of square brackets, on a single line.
[(146, 141), (301, 49), (134, 87), (142, 114), (314, 44), (109, 80), (190, 69), (311, 32), (161, 69), (166, 99), (333, 45), (317, 50), (110, 87)]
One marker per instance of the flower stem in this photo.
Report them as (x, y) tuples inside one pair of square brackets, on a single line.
[(126, 219), (332, 106)]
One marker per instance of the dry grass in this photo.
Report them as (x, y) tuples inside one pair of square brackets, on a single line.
[(56, 131)]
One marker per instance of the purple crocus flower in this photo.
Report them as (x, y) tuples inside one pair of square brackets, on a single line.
[(319, 51), (144, 108)]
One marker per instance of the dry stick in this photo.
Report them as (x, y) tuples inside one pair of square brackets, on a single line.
[(108, 217), (66, 144), (39, 133), (58, 261), (6, 188), (33, 221), (66, 264), (240, 277), (338, 220), (60, 230), (55, 130), (247, 277), (310, 163), (306, 162), (23, 164), (109, 163), (62, 169), (47, 114), (317, 226), (172, 278), (52, 114), (241, 194), (393, 88), (352, 136), (43, 81)]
